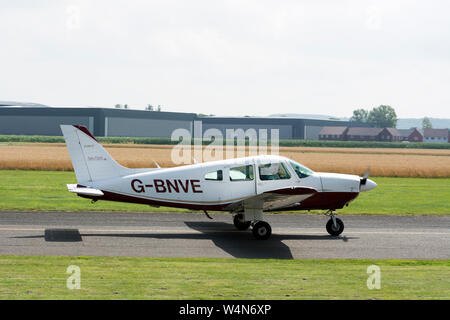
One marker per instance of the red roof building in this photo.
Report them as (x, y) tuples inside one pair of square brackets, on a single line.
[(333, 133), (389, 135), (363, 134), (411, 135)]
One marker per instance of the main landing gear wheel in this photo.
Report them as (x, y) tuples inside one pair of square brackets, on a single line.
[(239, 222), (337, 229), (262, 230)]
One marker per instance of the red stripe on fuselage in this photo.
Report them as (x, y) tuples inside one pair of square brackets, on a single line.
[(318, 201), (112, 196), (324, 201)]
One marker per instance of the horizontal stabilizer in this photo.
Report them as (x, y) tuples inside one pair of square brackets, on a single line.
[(84, 190)]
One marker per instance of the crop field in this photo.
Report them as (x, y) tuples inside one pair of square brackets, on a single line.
[(383, 162), (24, 190)]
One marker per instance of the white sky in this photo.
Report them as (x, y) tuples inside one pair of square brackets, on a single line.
[(229, 57)]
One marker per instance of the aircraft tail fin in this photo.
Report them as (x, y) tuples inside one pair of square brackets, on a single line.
[(90, 160)]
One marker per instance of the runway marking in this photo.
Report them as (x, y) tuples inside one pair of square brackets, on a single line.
[(182, 230)]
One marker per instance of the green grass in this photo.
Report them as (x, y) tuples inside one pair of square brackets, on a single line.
[(403, 196), (44, 277), (282, 143), (24, 190)]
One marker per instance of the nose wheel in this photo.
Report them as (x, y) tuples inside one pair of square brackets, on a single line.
[(335, 226)]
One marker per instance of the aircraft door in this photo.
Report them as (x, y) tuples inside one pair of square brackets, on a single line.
[(272, 175), (242, 180)]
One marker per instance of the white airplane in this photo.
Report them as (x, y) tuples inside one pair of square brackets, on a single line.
[(245, 187)]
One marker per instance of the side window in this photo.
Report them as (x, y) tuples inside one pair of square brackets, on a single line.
[(214, 176), (273, 171), (243, 173)]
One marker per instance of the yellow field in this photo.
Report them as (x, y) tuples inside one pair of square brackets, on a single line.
[(382, 162)]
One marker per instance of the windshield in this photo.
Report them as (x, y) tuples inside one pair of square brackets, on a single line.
[(300, 170)]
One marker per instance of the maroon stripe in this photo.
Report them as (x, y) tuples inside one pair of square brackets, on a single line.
[(325, 201), (85, 130), (318, 201), (112, 196), (293, 191)]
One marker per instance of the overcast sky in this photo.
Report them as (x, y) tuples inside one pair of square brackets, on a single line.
[(230, 58)]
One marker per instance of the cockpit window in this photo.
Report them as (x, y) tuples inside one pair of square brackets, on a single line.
[(273, 171), (300, 170)]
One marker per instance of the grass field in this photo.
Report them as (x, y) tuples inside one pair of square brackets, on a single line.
[(44, 277), (23, 190), (382, 161)]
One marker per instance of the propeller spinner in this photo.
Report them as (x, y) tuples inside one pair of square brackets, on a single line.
[(364, 177), (365, 183)]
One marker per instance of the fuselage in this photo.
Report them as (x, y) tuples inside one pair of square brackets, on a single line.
[(217, 185)]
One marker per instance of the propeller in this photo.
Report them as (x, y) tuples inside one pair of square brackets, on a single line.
[(364, 178)]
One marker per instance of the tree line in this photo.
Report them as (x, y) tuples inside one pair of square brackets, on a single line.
[(383, 116)]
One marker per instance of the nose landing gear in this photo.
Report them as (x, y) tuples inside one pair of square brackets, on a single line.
[(334, 226)]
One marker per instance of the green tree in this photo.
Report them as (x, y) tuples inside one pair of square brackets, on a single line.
[(360, 115), (426, 123), (383, 116)]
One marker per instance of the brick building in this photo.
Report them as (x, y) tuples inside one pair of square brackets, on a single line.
[(389, 135), (410, 135), (363, 134), (333, 133)]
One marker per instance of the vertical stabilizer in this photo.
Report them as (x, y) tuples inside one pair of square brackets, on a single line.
[(90, 160)]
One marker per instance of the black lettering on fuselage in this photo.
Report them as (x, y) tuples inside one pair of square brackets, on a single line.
[(164, 186), (170, 185)]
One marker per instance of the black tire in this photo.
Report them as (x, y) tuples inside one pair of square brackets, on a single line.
[(335, 231), (239, 222), (262, 230)]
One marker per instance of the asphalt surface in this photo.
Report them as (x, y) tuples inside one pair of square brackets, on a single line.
[(194, 235)]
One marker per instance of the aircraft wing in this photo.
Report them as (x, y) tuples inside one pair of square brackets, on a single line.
[(84, 190), (274, 199)]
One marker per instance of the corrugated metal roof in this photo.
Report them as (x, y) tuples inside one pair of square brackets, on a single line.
[(22, 104)]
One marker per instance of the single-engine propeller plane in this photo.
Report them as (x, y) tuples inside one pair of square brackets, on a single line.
[(245, 187)]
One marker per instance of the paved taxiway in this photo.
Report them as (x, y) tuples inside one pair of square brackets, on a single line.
[(194, 235)]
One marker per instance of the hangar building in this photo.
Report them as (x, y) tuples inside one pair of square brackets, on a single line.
[(36, 119)]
